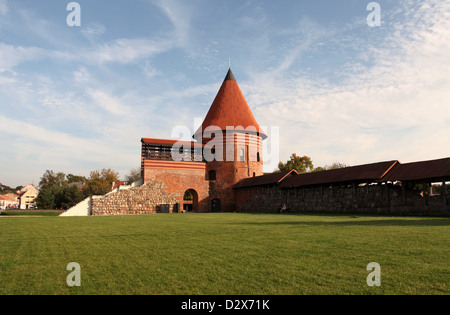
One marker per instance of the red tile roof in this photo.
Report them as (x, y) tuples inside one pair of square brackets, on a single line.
[(266, 179), (359, 173), (230, 109), (6, 198), (433, 170)]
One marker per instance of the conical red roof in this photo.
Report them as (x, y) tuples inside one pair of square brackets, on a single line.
[(230, 109)]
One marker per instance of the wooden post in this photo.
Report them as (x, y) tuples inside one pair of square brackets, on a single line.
[(403, 194), (387, 195), (444, 194), (424, 193)]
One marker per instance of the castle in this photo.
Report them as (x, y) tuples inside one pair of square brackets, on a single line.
[(228, 149), (222, 171), (231, 179)]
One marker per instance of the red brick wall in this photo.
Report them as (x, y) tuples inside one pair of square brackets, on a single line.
[(230, 169), (181, 176), (178, 180)]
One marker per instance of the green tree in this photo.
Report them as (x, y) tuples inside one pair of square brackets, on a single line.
[(55, 191), (334, 166), (134, 175), (46, 199), (75, 178), (69, 196), (100, 181), (301, 164), (50, 178)]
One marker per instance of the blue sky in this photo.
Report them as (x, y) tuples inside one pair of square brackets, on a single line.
[(75, 99)]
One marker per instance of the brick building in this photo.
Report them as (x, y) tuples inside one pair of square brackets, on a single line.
[(226, 150), (222, 170)]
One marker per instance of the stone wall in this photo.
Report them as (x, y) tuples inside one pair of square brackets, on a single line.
[(370, 199), (178, 180), (145, 199)]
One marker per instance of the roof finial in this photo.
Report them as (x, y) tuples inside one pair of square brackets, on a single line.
[(229, 62), (230, 76)]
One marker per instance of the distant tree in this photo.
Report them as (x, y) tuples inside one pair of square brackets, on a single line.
[(4, 189), (70, 196), (49, 178), (100, 181), (134, 175), (46, 198), (334, 166), (61, 179), (301, 164), (319, 169), (75, 178)]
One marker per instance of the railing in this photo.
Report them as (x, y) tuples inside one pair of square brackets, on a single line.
[(173, 156)]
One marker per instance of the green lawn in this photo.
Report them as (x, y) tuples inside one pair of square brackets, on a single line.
[(225, 254)]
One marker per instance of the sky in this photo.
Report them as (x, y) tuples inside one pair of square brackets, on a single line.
[(320, 78)]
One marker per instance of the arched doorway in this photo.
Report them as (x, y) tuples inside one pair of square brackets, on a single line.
[(215, 205), (190, 200)]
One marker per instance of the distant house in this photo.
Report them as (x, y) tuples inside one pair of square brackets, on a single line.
[(120, 183), (27, 197), (7, 202)]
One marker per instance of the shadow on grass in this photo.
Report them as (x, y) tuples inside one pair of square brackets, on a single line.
[(355, 220)]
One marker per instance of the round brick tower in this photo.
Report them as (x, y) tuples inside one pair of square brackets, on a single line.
[(234, 144)]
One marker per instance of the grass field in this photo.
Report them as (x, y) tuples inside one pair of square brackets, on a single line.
[(225, 254)]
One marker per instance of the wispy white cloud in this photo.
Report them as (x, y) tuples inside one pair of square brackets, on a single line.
[(395, 108), (107, 102), (57, 144), (125, 50), (93, 32), (122, 51), (180, 16), (37, 148), (386, 98), (11, 56)]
